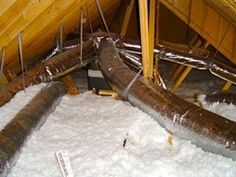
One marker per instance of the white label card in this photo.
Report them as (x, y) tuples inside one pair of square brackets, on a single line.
[(64, 162)]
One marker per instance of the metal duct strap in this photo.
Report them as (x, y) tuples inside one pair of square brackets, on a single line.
[(33, 115)]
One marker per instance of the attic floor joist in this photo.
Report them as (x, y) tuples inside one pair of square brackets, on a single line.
[(208, 22)]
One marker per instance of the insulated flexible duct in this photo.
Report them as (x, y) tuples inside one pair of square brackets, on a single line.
[(222, 97), (207, 130), (33, 115), (51, 69), (192, 58)]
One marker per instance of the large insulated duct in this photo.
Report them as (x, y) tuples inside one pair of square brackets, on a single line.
[(207, 130), (51, 69), (33, 115), (193, 57), (227, 97)]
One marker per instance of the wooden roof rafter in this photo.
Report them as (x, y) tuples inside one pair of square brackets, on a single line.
[(5, 5), (225, 7), (41, 30), (218, 30), (37, 25)]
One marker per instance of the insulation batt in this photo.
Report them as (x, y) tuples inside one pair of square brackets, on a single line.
[(93, 129)]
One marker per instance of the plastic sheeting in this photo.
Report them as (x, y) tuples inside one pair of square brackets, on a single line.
[(208, 130), (19, 128)]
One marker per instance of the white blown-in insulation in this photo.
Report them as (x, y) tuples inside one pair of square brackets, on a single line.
[(109, 138)]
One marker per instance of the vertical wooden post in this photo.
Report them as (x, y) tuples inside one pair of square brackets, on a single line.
[(143, 14), (81, 35), (157, 21), (127, 18), (157, 77), (152, 7)]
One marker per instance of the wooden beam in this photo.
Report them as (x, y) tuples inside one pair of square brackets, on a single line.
[(152, 21), (37, 46), (20, 20), (70, 84), (227, 8), (152, 8), (227, 85), (47, 21), (234, 44), (143, 14), (108, 93), (177, 72), (32, 32), (33, 44), (181, 78), (5, 5), (208, 23), (11, 14), (157, 77), (157, 21), (127, 18)]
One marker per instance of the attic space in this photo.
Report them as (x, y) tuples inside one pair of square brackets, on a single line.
[(118, 88)]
